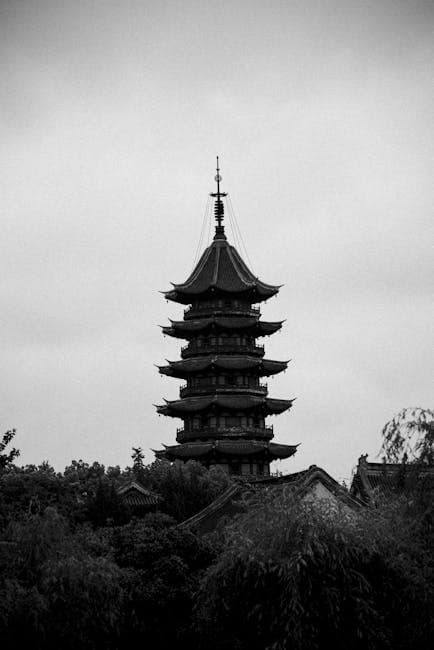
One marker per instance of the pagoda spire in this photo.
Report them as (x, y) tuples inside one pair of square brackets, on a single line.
[(219, 210)]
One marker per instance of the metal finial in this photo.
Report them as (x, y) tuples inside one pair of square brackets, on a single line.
[(219, 207), (218, 178)]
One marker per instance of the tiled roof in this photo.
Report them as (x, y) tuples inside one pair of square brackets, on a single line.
[(134, 494), (230, 402), (371, 479), (221, 269), (235, 499), (264, 367), (252, 324), (227, 448)]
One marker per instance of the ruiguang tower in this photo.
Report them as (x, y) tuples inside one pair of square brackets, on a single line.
[(223, 403)]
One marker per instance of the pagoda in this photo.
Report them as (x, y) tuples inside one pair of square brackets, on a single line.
[(223, 403)]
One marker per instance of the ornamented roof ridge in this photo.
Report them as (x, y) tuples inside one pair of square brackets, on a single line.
[(228, 401), (228, 362), (222, 269), (227, 448)]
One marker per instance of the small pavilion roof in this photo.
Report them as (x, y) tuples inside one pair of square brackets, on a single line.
[(374, 479), (186, 367), (221, 269), (251, 324), (134, 494), (181, 407), (227, 448)]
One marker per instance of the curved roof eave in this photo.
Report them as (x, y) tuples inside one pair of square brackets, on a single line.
[(229, 447), (185, 367), (221, 268), (229, 402)]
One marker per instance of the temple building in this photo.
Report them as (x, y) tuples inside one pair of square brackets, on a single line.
[(224, 403)]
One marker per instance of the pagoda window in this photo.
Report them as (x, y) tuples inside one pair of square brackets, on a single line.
[(196, 422), (232, 421), (213, 421), (213, 340), (230, 379), (228, 303), (235, 467), (245, 468), (239, 380), (260, 466)]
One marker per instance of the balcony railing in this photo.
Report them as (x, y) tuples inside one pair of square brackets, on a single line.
[(187, 391), (183, 435), (193, 312), (220, 348)]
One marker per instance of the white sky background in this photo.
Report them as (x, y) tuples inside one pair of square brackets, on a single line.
[(111, 114)]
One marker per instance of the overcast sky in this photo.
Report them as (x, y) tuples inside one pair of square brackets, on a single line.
[(111, 115)]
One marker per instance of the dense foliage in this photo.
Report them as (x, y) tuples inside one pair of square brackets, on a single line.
[(99, 588), (78, 570), (89, 492), (298, 575)]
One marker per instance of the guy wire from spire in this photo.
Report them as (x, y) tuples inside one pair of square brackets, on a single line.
[(237, 227), (205, 220)]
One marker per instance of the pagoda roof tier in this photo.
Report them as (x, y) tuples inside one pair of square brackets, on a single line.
[(234, 402), (251, 324), (186, 367), (225, 448), (221, 270)]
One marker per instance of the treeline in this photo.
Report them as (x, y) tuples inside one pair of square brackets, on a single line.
[(89, 492), (78, 571)]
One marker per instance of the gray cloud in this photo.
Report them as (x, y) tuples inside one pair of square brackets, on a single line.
[(110, 118)]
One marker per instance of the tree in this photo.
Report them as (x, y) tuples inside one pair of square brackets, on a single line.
[(185, 488), (55, 591), (409, 436), (6, 459), (138, 465), (162, 566), (304, 576), (105, 506)]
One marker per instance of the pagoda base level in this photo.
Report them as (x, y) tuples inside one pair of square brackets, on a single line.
[(232, 466), (245, 458)]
